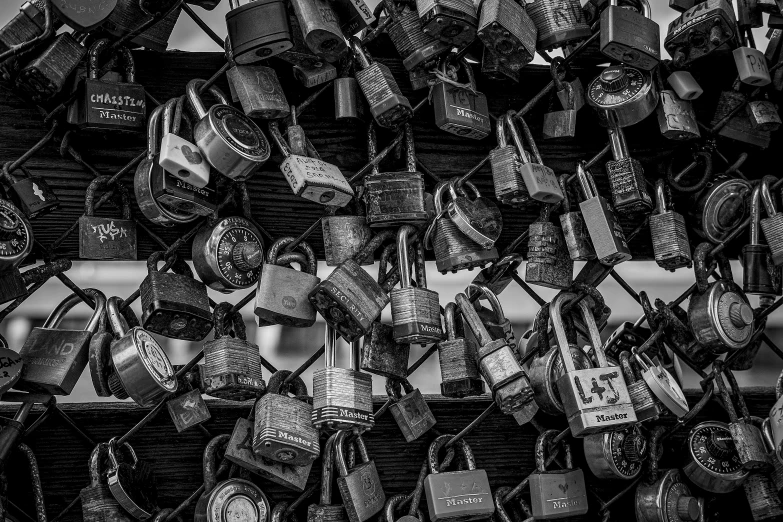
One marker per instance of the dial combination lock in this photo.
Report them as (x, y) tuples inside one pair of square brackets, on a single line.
[(228, 256), (622, 95), (16, 236), (617, 454), (712, 462)]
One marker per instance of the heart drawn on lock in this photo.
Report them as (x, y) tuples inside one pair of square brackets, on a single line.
[(563, 487), (193, 157), (84, 15)]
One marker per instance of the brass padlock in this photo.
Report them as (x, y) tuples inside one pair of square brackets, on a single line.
[(259, 91), (103, 237), (345, 235), (548, 263), (227, 256), (410, 411), (669, 234)]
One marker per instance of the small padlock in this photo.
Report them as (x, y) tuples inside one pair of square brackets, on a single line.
[(26, 26), (558, 23), (684, 85), (282, 293), (188, 410), (605, 231), (129, 15), (98, 504), (410, 411), (496, 322), (229, 141), (478, 218), (232, 364), (320, 28), (760, 275), (577, 239), (45, 76), (345, 235), (179, 156), (626, 177), (506, 29), (173, 303), (452, 22), (418, 50), (227, 256), (326, 510), (631, 37), (561, 123), (342, 397), (700, 30), (711, 461), (446, 491), (557, 493), (616, 454), (763, 115), (387, 104), (548, 262), (140, 369), (751, 63), (31, 193), (668, 232), (311, 74), (459, 108), (506, 164), (257, 30), (283, 430), (259, 91), (360, 486), (540, 180), (102, 237), (622, 95), (645, 404), (736, 124), (457, 357), (132, 484)]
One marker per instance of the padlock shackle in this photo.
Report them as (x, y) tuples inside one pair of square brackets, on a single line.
[(490, 296), (618, 143), (755, 215), (514, 132), (96, 49), (541, 446), (360, 54), (339, 451), (392, 504), (383, 263), (531, 143), (625, 365), (660, 196), (210, 463), (35, 480), (655, 453), (94, 463), (369, 248), (500, 132), (500, 509), (103, 183), (57, 315), (153, 136), (403, 259), (473, 319), (779, 386), (586, 181), (394, 388), (439, 443), (295, 387), (277, 137), (410, 148), (735, 389), (330, 346), (327, 469), (766, 195), (195, 99), (220, 320), (449, 318), (556, 313), (702, 270), (309, 267), (562, 180), (372, 146), (118, 323)]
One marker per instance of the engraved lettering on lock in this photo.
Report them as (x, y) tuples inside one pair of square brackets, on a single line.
[(469, 499), (563, 503), (64, 348), (284, 435), (613, 417)]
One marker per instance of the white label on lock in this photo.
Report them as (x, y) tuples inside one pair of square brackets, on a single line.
[(316, 180), (183, 160)]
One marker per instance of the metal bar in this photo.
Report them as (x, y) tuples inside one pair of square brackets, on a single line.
[(203, 25), (526, 287), (296, 373), (625, 286), (470, 427), (243, 302)]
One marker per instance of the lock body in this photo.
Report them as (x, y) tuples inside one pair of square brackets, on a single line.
[(53, 359), (107, 238), (670, 240), (112, 106), (618, 454), (558, 23), (348, 102), (544, 372), (450, 22), (629, 37), (412, 415), (704, 28), (507, 30), (558, 494), (382, 355), (232, 369), (605, 231), (711, 460), (445, 500), (394, 199), (284, 431), (460, 111), (577, 238), (34, 197), (416, 315), (720, 207), (342, 399), (548, 261), (387, 104), (175, 305), (667, 499), (676, 117), (316, 180), (596, 400), (45, 76), (258, 30), (282, 296), (259, 91), (459, 370)]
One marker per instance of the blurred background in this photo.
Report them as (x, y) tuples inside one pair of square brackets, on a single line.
[(288, 347)]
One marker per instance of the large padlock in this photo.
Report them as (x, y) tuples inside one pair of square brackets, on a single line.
[(98, 504), (45, 76), (103, 237), (419, 51), (459, 108), (132, 483), (577, 238), (629, 36), (669, 234), (140, 369), (410, 411), (320, 28), (506, 29), (626, 177), (283, 430), (595, 400), (55, 358), (129, 15), (349, 299), (558, 493), (711, 461), (540, 180), (282, 292), (457, 357), (558, 23), (751, 63), (561, 123), (342, 397), (457, 495), (227, 256), (179, 156), (645, 404), (720, 207), (259, 91), (760, 276), (415, 309), (395, 198), (31, 193), (173, 303), (605, 231), (360, 486), (387, 104), (617, 454), (622, 95), (345, 235), (230, 141), (700, 30), (232, 364), (257, 30), (452, 22), (109, 105), (548, 263), (496, 322), (232, 498), (325, 510)]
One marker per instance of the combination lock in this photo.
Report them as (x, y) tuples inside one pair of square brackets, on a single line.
[(712, 462), (16, 236), (622, 95), (228, 256), (616, 454)]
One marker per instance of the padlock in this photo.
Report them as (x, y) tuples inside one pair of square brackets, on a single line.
[(763, 497), (257, 30), (106, 238), (349, 105), (283, 430), (230, 499), (240, 451), (720, 207), (509, 382), (605, 231), (393, 503), (282, 293), (311, 74), (763, 115), (478, 218), (548, 262), (540, 180), (738, 126), (232, 364), (506, 29), (684, 85), (557, 493), (505, 161), (395, 198), (345, 235), (26, 26), (353, 15), (719, 313), (418, 50), (577, 239), (83, 15), (227, 256), (31, 194), (188, 410), (558, 23), (457, 495), (457, 357), (616, 454), (16, 243), (626, 177), (410, 411), (630, 37), (751, 63), (259, 91), (349, 299), (497, 324), (342, 397), (98, 504), (230, 141), (360, 486), (459, 108), (702, 29), (310, 177), (561, 123), (711, 460), (388, 106), (622, 95), (595, 400), (493, 68), (173, 303), (760, 276), (668, 232), (179, 156), (682, 5), (325, 510), (54, 358), (140, 368), (109, 105), (645, 404), (452, 22), (45, 76), (676, 117), (320, 28), (129, 15), (498, 276), (132, 484), (777, 473)]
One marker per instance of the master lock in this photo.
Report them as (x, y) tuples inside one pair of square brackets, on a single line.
[(457, 357), (459, 108), (506, 29), (227, 256), (257, 30), (360, 486), (702, 29), (452, 22), (31, 193), (630, 37), (622, 95), (55, 358), (669, 234), (102, 237), (577, 238), (711, 459), (556, 493), (617, 454)]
